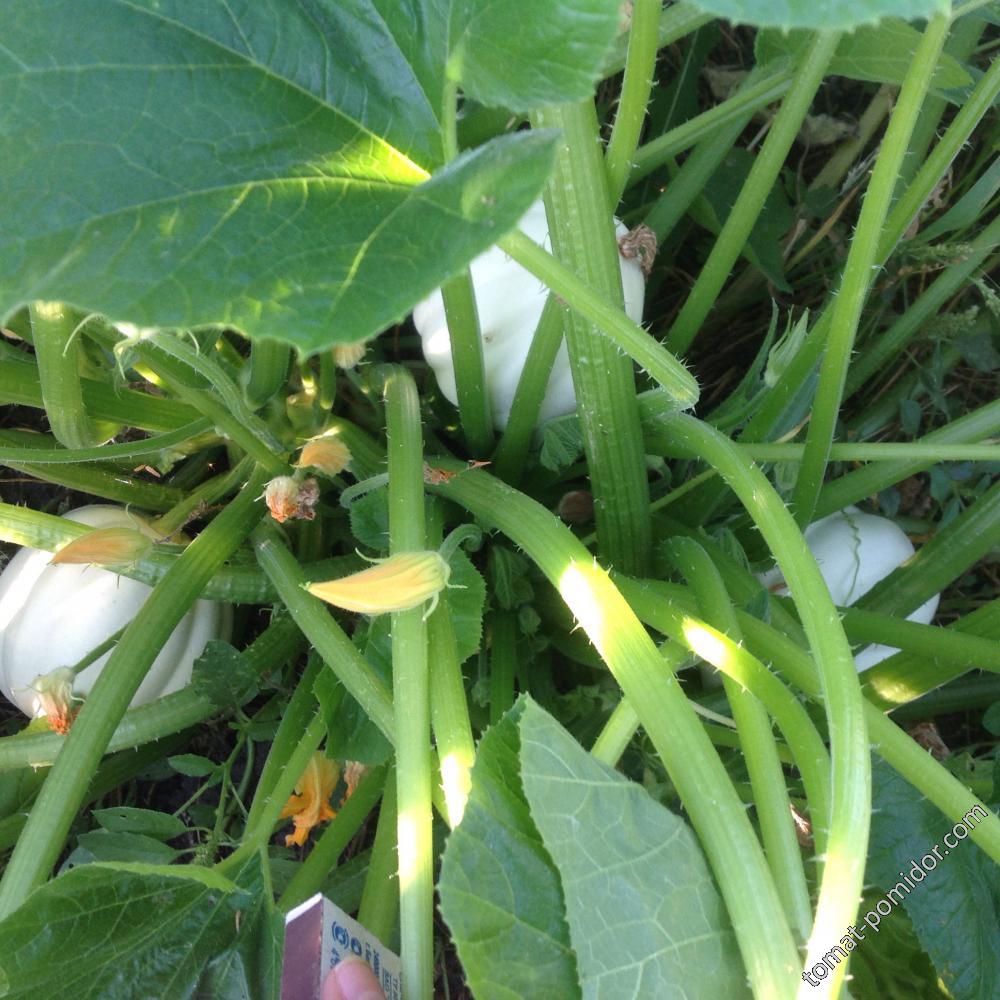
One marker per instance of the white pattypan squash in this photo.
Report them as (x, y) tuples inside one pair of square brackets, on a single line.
[(854, 551), (509, 301), (52, 616)]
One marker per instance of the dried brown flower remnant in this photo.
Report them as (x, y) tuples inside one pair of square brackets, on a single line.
[(639, 244), (927, 735), (288, 497), (354, 771)]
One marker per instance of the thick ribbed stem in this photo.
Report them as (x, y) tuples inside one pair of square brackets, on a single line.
[(583, 237)]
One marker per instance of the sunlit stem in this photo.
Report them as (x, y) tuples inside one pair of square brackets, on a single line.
[(751, 716), (843, 872), (765, 939), (379, 909), (449, 708), (411, 692)]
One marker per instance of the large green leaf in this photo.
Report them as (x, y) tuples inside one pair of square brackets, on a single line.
[(250, 969), (522, 53), (500, 893), (835, 14), (119, 931), (172, 168), (265, 165), (556, 850), (881, 54), (644, 916), (955, 909)]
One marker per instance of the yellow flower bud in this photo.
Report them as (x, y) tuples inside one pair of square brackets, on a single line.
[(399, 583), (348, 355), (116, 546), (327, 453)]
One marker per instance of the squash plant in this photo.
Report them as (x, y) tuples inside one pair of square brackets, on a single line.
[(215, 222), (55, 615)]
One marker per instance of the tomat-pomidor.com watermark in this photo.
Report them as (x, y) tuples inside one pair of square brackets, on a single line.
[(919, 870)]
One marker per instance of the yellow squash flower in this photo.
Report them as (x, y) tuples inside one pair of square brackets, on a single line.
[(327, 453), (310, 805), (399, 583), (115, 546), (348, 355)]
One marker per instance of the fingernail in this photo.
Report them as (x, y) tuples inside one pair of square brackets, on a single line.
[(357, 981)]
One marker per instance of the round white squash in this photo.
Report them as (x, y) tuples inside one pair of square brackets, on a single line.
[(854, 551), (52, 616), (509, 301)]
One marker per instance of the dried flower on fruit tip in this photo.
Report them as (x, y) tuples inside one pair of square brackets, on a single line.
[(327, 453), (354, 771), (639, 244), (287, 497), (399, 583), (310, 805), (56, 698), (348, 355), (117, 546)]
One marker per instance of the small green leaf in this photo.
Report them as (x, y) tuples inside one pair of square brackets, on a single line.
[(500, 893), (562, 443), (508, 575), (466, 600), (991, 719), (127, 925), (223, 675), (370, 519), (193, 765), (881, 53), (979, 352), (838, 15), (967, 211), (351, 734), (105, 845), (129, 819), (645, 918), (910, 415)]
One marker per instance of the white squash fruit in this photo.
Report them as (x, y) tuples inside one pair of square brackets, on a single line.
[(854, 551), (53, 616), (509, 301)]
